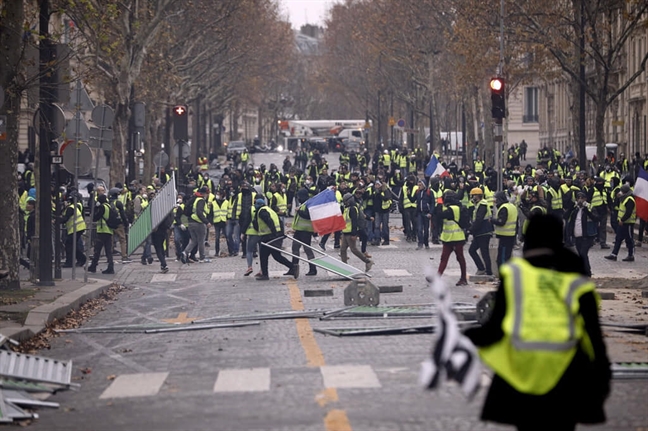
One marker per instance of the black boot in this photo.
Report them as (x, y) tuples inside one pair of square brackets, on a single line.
[(312, 270), (92, 268), (109, 270)]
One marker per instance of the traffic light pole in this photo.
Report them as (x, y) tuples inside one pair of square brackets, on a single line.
[(498, 151)]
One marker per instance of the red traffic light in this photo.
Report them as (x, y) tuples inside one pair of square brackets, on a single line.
[(496, 84), (180, 110)]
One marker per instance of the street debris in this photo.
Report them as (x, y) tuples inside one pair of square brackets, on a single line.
[(25, 380), (465, 312), (151, 328), (383, 330), (361, 292), (630, 370)]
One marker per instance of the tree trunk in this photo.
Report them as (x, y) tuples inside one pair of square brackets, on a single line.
[(470, 130), (118, 160), (479, 120), (10, 52), (489, 145), (599, 127)]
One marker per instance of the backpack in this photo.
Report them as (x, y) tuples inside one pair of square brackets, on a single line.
[(362, 219), (464, 217), (113, 220), (188, 206)]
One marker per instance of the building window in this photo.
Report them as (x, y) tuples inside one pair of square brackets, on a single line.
[(530, 105)]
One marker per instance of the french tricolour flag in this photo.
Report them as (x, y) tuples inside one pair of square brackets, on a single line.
[(435, 168), (325, 212), (641, 194)]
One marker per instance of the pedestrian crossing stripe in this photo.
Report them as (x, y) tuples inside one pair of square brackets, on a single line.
[(380, 247), (349, 376), (276, 273), (242, 380), (397, 273), (135, 385), (160, 278), (222, 275), (250, 380)]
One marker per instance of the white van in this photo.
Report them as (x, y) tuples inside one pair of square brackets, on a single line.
[(350, 133)]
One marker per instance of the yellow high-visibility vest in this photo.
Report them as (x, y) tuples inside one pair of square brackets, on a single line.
[(539, 341)]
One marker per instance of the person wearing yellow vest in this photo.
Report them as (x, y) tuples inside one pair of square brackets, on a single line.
[(627, 217), (303, 232), (382, 202), (197, 225), (409, 208), (452, 235), (482, 231), (597, 198), (72, 216), (349, 238), (267, 225), (104, 239), (219, 210), (505, 223), (436, 208), (543, 339), (180, 233)]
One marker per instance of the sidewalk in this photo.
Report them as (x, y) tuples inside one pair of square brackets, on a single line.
[(26, 312)]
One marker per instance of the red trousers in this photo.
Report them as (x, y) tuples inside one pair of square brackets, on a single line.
[(448, 248)]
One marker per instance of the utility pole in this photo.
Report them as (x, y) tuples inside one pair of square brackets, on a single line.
[(582, 155), (46, 94)]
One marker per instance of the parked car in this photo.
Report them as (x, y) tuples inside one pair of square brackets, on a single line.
[(353, 144), (236, 146)]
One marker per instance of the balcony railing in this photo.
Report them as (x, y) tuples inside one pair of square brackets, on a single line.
[(530, 118)]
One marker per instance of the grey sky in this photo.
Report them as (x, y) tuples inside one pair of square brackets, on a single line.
[(303, 12)]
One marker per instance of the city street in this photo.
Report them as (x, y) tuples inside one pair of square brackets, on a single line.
[(280, 375)]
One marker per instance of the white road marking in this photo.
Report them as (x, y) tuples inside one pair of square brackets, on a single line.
[(277, 273), (222, 275), (135, 385), (248, 380), (158, 278), (349, 376), (380, 247), (397, 273)]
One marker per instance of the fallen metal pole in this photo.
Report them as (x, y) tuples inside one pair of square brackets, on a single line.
[(199, 327)]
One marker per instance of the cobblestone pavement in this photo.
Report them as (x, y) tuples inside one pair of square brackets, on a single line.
[(280, 375)]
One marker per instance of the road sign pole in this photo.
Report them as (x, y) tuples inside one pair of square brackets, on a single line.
[(44, 197), (76, 186)]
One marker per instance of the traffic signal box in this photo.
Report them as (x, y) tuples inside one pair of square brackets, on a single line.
[(180, 123), (498, 98)]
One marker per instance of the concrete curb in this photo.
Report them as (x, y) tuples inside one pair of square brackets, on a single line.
[(40, 317)]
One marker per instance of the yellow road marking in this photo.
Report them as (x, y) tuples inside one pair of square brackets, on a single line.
[(327, 396), (336, 419), (182, 318)]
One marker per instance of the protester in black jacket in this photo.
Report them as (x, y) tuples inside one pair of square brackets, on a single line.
[(579, 395)]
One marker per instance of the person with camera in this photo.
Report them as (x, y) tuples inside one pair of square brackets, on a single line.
[(582, 225)]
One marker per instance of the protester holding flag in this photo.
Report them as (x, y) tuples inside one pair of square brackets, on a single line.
[(303, 231), (626, 217), (350, 232), (435, 168), (547, 351), (641, 202)]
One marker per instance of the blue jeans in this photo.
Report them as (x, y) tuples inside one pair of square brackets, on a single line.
[(181, 239), (147, 248), (381, 226), (252, 242), (233, 235), (423, 229)]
